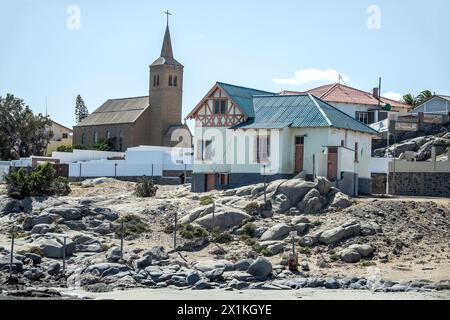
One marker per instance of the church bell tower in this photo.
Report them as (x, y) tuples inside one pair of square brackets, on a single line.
[(165, 90)]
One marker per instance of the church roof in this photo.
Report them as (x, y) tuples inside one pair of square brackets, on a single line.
[(115, 111), (166, 52), (299, 111)]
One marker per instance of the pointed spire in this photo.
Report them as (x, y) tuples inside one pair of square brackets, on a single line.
[(166, 50)]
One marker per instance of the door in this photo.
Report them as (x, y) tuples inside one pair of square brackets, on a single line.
[(299, 150), (210, 181), (332, 163)]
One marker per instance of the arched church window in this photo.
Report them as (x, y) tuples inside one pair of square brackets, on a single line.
[(121, 140), (157, 80), (170, 81), (95, 137), (175, 81), (154, 80), (108, 134), (83, 138)]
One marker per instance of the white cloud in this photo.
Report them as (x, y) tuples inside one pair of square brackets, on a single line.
[(312, 75), (393, 95)]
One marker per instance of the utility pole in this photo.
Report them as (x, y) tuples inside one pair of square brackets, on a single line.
[(379, 99), (175, 226)]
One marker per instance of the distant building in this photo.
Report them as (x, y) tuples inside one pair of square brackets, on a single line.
[(437, 104), (359, 104), (242, 134), (153, 120), (60, 136)]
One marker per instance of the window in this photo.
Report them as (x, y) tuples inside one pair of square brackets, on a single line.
[(204, 150), (262, 148), (224, 179), (220, 106), (121, 140), (108, 134), (65, 135), (157, 80), (154, 80), (299, 140), (170, 81), (362, 116), (175, 81), (342, 143), (356, 151), (83, 138)]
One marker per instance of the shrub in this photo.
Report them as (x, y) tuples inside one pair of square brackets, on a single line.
[(145, 188), (263, 250), (222, 237), (252, 208), (132, 226), (367, 263), (206, 200), (249, 229), (41, 181), (36, 250), (65, 148), (334, 257), (305, 250), (189, 231), (317, 223)]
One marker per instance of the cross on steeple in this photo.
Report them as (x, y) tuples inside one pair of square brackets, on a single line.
[(168, 14)]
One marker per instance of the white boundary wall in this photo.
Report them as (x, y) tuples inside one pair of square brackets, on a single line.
[(379, 165)]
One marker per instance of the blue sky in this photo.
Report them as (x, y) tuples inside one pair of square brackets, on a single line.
[(260, 44)]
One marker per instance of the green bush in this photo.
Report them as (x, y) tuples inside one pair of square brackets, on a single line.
[(263, 250), (145, 188), (41, 181), (206, 200), (334, 257), (305, 250), (65, 148), (222, 237), (36, 250), (189, 231), (249, 229), (133, 226)]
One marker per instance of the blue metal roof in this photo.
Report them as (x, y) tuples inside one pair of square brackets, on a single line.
[(243, 97), (299, 111)]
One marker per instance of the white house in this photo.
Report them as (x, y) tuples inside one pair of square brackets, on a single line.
[(438, 104), (359, 104), (243, 134)]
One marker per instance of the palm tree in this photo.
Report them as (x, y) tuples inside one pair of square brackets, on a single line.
[(423, 96), (409, 99)]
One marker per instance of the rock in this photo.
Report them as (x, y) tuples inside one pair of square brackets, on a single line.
[(397, 149), (349, 255), (364, 250), (304, 265), (9, 205), (177, 281), (244, 191), (34, 257), (238, 285), (243, 265), (300, 219), (157, 253), (331, 283), (106, 269), (309, 240), (323, 185), (370, 229), (295, 189), (192, 278), (225, 219), (300, 228), (106, 213), (86, 243), (202, 285), (313, 202), (104, 228), (260, 268), (33, 274), (54, 269), (215, 274), (52, 246), (5, 264), (342, 232), (205, 266), (66, 212), (340, 201), (76, 225), (143, 262), (281, 203), (277, 232), (42, 229), (196, 213), (276, 248), (113, 255), (44, 218)]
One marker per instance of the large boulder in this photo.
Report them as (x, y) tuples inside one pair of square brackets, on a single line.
[(5, 263), (106, 269), (196, 213), (52, 246), (106, 213), (157, 253), (43, 218), (143, 262), (398, 149), (313, 202), (67, 213), (114, 254), (340, 233), (193, 277), (42, 229), (277, 232), (340, 201), (323, 185), (364, 250), (209, 265), (9, 205), (349, 255), (281, 203), (296, 189), (260, 268), (85, 243), (224, 219)]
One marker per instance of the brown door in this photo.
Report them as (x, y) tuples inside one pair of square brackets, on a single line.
[(332, 163), (210, 181), (299, 148)]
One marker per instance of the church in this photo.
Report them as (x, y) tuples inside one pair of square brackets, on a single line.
[(153, 120)]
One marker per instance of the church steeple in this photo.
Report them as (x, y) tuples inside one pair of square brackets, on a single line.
[(166, 51)]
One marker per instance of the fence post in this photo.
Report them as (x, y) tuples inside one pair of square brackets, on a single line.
[(64, 255), (152, 172), (185, 176), (115, 170), (213, 215), (79, 174), (11, 258), (265, 195), (175, 225), (121, 241)]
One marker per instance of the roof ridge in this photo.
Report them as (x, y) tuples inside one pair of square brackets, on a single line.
[(242, 87), (128, 98), (320, 109), (327, 92)]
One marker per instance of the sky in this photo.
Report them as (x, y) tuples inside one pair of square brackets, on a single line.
[(53, 50)]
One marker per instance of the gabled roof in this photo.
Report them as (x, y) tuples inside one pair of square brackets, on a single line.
[(241, 96), (439, 96), (115, 111), (299, 111), (60, 125), (340, 93)]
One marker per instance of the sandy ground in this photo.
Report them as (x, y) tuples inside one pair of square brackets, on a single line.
[(266, 295)]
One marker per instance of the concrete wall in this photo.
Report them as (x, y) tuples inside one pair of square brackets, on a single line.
[(84, 155), (379, 165), (435, 184)]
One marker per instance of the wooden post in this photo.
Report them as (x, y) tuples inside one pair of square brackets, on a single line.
[(11, 258), (213, 215), (152, 172), (115, 170), (265, 195), (64, 255), (79, 174), (185, 176), (175, 226), (121, 241)]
